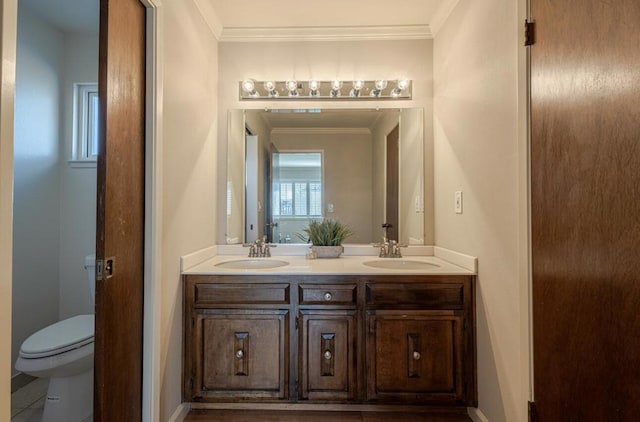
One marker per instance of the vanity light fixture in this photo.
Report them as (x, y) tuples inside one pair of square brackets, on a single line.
[(314, 89)]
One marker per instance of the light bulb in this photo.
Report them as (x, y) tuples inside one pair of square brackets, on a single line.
[(250, 88), (403, 84), (357, 85), (248, 85), (314, 85), (380, 85), (292, 87), (336, 85), (270, 87)]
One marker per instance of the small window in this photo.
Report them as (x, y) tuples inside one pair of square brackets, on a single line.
[(85, 122)]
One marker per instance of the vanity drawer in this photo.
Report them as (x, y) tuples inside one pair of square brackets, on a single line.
[(328, 294), (434, 296), (241, 293)]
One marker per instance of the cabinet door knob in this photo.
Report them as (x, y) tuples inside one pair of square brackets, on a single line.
[(327, 296), (240, 354), (416, 355), (327, 355)]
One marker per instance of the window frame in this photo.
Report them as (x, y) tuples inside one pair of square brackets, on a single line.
[(85, 99)]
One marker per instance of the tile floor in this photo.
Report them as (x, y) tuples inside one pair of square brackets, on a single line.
[(27, 404)]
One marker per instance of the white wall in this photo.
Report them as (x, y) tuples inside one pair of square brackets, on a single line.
[(36, 186), (189, 162), (346, 60), (8, 24), (477, 151), (77, 185)]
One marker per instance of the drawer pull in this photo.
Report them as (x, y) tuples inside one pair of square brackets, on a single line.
[(416, 355), (327, 354), (327, 296), (240, 354)]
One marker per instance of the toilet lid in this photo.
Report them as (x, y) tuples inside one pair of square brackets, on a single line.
[(60, 337)]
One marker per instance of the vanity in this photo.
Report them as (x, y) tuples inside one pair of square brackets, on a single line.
[(350, 331)]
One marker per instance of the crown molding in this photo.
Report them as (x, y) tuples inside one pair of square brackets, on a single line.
[(443, 14), (322, 130), (326, 33), (210, 17)]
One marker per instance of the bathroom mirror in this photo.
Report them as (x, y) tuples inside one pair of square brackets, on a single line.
[(361, 166)]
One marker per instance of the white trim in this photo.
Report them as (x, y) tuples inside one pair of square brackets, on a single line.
[(442, 15), (477, 415), (322, 130), (467, 262), (8, 29), (151, 367), (180, 413), (210, 17), (82, 164), (326, 33)]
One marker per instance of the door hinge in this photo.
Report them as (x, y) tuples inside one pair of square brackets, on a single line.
[(297, 322), (533, 412), (529, 33)]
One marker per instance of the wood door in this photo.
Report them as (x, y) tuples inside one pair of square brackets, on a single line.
[(241, 354), (327, 353), (585, 177), (120, 214), (415, 356), (393, 183)]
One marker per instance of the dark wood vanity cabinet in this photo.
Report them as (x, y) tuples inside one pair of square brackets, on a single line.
[(340, 339)]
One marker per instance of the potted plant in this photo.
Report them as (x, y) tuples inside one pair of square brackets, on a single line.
[(326, 237)]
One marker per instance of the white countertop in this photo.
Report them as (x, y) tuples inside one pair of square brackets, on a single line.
[(348, 264)]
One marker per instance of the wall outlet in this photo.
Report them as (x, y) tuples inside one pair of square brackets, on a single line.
[(458, 202), (330, 208)]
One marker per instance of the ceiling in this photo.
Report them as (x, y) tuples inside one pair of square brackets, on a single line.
[(328, 13), (243, 20), (66, 15)]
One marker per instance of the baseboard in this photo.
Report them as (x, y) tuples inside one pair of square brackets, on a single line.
[(180, 413), (19, 380), (477, 415)]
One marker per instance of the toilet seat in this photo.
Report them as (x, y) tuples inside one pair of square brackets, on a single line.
[(69, 334)]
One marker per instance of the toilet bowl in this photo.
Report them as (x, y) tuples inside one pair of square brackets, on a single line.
[(63, 352)]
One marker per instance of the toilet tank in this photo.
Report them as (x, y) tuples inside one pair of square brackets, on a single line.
[(90, 267)]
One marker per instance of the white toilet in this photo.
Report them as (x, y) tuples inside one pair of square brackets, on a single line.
[(63, 352)]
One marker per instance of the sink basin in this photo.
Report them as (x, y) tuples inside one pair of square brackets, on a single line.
[(252, 264), (400, 264)]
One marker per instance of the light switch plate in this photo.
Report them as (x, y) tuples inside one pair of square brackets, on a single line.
[(458, 202)]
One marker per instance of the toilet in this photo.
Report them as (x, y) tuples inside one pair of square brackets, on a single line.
[(63, 352)]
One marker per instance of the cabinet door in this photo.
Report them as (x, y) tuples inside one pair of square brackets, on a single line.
[(415, 356), (241, 354), (327, 354)]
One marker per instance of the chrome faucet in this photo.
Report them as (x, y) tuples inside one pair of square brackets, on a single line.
[(388, 248), (260, 248)]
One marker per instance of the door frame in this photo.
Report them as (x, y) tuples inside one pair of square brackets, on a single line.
[(153, 202)]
